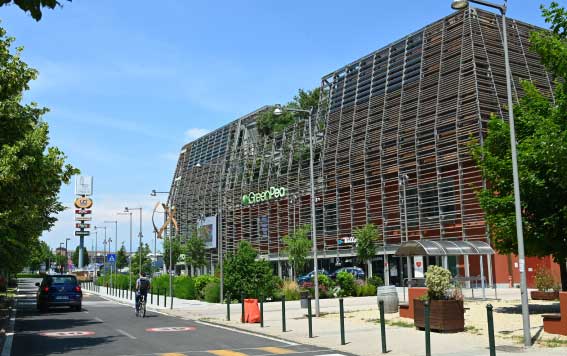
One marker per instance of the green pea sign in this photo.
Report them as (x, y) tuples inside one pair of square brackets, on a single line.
[(267, 195)]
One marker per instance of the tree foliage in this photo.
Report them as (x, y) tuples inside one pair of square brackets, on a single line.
[(297, 247), (146, 260), (40, 254), (121, 258), (34, 7), (366, 238), (75, 257), (541, 134), (195, 251), (268, 123), (244, 274), (31, 172), (177, 250)]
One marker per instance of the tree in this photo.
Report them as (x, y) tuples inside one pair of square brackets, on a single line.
[(297, 247), (34, 7), (146, 260), (268, 123), (121, 258), (244, 274), (366, 238), (31, 171), (541, 134), (75, 257), (40, 254), (195, 252), (177, 250)]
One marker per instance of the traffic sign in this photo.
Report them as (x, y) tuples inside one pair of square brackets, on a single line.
[(82, 233), (83, 211), (82, 225), (111, 257)]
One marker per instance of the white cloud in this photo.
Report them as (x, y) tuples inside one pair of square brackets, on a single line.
[(195, 132)]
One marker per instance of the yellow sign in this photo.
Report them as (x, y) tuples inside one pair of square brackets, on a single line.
[(83, 202)]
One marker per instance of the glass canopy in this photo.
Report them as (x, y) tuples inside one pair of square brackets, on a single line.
[(444, 248)]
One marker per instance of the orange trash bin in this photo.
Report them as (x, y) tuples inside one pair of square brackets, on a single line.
[(251, 311)]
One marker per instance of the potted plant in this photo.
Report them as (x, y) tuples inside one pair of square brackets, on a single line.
[(446, 311), (547, 289)]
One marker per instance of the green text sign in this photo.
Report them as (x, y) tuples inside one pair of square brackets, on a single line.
[(267, 195)]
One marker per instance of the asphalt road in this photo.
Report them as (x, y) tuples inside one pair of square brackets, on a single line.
[(107, 328)]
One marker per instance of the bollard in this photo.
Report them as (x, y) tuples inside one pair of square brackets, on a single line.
[(152, 295), (342, 320), (283, 313), (165, 298), (382, 327), (261, 311), (491, 343), (228, 309), (157, 297), (427, 330), (242, 303), (309, 321)]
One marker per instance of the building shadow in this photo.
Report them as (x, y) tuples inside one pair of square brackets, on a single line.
[(533, 308)]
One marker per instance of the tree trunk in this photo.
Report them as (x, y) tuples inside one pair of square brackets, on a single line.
[(563, 269), (369, 267)]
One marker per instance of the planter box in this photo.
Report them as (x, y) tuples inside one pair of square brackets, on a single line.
[(539, 295), (444, 315)]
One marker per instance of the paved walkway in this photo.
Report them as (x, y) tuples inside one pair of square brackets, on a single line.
[(362, 336)]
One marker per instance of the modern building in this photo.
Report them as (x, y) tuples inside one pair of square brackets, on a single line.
[(392, 135)]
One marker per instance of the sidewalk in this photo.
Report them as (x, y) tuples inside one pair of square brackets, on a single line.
[(362, 328)]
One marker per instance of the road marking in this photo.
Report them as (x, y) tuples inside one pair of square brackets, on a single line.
[(67, 333), (172, 354), (99, 319), (246, 333), (276, 350), (170, 329), (126, 334), (226, 353), (7, 348)]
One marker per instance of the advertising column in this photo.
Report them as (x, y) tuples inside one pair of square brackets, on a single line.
[(83, 189)]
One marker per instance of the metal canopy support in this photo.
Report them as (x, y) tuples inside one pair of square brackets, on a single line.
[(444, 248)]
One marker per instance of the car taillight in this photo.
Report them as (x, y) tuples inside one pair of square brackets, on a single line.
[(77, 288), (46, 289)]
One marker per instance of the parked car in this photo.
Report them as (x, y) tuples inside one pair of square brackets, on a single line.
[(308, 278), (357, 272), (59, 290)]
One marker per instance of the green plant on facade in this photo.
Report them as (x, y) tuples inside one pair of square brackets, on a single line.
[(438, 282), (297, 246)]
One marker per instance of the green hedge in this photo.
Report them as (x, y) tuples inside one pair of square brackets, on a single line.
[(30, 275)]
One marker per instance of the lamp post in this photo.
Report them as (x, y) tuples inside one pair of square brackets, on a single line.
[(115, 222), (279, 110), (95, 256), (127, 210), (404, 178), (130, 254), (67, 256), (61, 254), (460, 5), (153, 194), (104, 244)]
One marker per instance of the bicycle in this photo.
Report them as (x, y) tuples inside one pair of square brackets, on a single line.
[(141, 307)]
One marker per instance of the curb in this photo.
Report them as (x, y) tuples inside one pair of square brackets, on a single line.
[(9, 336)]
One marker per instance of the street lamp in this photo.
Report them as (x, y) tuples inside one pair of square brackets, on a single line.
[(404, 179), (130, 255), (461, 5), (104, 249), (279, 110), (66, 256), (115, 222), (61, 254), (127, 210), (153, 194)]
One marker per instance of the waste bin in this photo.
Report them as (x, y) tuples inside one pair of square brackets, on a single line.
[(303, 300), (251, 311)]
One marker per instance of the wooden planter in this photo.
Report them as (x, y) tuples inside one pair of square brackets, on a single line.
[(539, 295), (444, 315)]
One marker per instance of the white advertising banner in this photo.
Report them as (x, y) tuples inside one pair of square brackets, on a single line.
[(84, 185), (418, 267), (208, 231)]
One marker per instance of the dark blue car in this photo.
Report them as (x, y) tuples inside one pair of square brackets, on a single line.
[(357, 272), (59, 290), (307, 278)]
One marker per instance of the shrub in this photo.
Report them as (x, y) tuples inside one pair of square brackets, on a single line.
[(201, 282), (184, 287), (376, 281), (212, 292), (438, 282), (544, 281), (324, 280), (369, 290), (346, 281), (290, 290)]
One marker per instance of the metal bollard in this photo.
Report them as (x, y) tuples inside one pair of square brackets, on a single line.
[(228, 309), (152, 296), (262, 311), (427, 330), (491, 343), (165, 298), (157, 297), (242, 303), (382, 327), (342, 320), (309, 316), (283, 313)]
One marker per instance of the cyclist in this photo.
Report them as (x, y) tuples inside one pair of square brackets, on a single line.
[(142, 287)]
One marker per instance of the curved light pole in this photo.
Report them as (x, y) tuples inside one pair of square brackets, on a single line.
[(279, 110), (461, 5), (127, 210)]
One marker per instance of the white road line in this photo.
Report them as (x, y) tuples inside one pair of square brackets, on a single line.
[(126, 334), (246, 333), (7, 348), (99, 319)]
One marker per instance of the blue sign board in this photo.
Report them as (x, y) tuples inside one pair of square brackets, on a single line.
[(111, 257)]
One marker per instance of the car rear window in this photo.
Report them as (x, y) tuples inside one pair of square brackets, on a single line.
[(63, 280)]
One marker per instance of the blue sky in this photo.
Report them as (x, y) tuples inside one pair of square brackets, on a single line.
[(129, 82)]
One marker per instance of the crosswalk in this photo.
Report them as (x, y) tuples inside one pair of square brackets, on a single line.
[(258, 351)]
